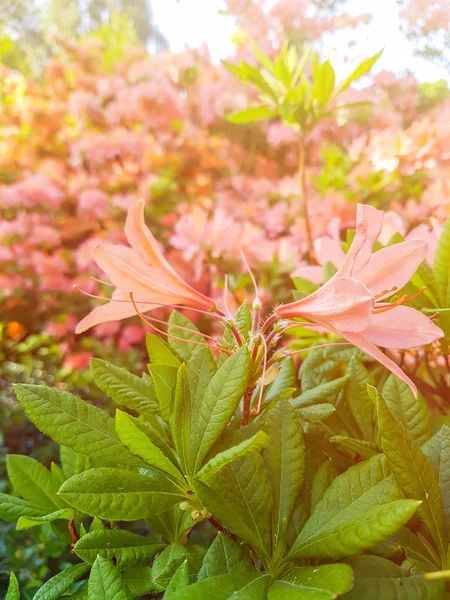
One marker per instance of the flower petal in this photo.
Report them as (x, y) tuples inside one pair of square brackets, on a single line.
[(369, 222), (358, 340), (113, 311), (312, 273), (140, 237), (342, 304), (392, 266), (402, 327)]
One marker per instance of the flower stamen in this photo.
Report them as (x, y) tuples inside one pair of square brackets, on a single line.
[(402, 300)]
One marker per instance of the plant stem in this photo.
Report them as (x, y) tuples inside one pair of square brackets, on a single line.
[(304, 190), (247, 401)]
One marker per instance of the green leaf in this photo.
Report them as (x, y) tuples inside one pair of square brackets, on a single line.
[(60, 583), (164, 378), (183, 349), (181, 418), (124, 387), (120, 495), (362, 68), (180, 579), (33, 481), (412, 412), (11, 508), (133, 438), (240, 498), (324, 80), (324, 582), (160, 353), (286, 378), (441, 268), (250, 114), (253, 444), (376, 578), (127, 548), (167, 563), (360, 404), (285, 461), (222, 556), (13, 592), (318, 412), (319, 393), (74, 423), (220, 400), (412, 470), (201, 369), (68, 460), (230, 586), (243, 321), (323, 478), (360, 447), (351, 495), (138, 580), (105, 582), (437, 450), (28, 522), (362, 532), (417, 550)]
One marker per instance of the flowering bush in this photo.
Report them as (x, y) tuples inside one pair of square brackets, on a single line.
[(277, 446), (225, 434)]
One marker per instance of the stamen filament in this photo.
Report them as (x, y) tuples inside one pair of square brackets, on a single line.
[(174, 337), (257, 410)]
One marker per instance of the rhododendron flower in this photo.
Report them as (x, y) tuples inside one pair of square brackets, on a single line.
[(142, 271), (351, 303)]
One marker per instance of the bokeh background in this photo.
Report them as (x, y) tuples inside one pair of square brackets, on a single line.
[(106, 101)]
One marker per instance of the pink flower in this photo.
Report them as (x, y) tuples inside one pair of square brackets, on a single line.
[(429, 235), (350, 304), (143, 271)]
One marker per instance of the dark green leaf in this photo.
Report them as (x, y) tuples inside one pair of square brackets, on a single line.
[(127, 548), (324, 582), (124, 387), (74, 423), (231, 586), (183, 349), (223, 556), (33, 481), (105, 582), (60, 583), (120, 495)]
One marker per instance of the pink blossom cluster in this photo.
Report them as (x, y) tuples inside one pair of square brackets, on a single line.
[(78, 148)]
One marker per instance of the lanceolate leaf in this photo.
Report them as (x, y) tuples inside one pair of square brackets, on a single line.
[(126, 547), (360, 404), (13, 588), (181, 418), (221, 398), (60, 583), (253, 113), (183, 349), (180, 579), (140, 445), (239, 496), (353, 494), (74, 423), (285, 461), (437, 450), (222, 556), (160, 353), (441, 269), (376, 578), (201, 368), (11, 508), (412, 412), (120, 495), (357, 534), (138, 580), (324, 582), (319, 393), (33, 481), (359, 447), (105, 582), (124, 387), (323, 478), (164, 379), (230, 586), (28, 522), (254, 444), (412, 470)]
